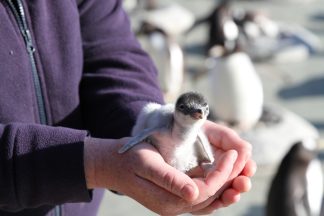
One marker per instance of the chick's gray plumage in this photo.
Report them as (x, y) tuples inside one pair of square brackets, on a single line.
[(175, 130)]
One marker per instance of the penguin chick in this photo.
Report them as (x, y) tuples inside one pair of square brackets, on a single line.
[(297, 188), (175, 131)]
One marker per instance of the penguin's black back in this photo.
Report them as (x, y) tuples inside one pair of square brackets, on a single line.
[(216, 25), (288, 187)]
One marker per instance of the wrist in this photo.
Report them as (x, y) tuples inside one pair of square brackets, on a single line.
[(94, 164), (89, 162), (99, 155)]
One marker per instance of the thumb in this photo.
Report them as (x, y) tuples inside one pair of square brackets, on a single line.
[(171, 179)]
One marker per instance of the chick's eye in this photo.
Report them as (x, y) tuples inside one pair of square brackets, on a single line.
[(181, 106)]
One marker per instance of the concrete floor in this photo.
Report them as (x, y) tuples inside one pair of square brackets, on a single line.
[(304, 79)]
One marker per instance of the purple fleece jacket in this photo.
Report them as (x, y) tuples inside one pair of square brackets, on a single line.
[(94, 78)]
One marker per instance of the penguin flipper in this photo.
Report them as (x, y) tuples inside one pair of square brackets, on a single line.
[(203, 147), (136, 139)]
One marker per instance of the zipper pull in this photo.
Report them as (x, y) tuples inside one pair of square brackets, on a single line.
[(29, 42)]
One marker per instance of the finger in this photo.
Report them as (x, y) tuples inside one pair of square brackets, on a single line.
[(230, 196), (242, 184), (216, 182), (157, 199), (250, 168), (225, 138), (223, 168), (217, 177), (167, 177), (217, 204), (196, 208), (209, 209), (217, 133)]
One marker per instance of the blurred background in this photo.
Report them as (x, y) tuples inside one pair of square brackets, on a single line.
[(260, 64)]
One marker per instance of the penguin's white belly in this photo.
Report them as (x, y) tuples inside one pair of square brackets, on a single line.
[(236, 89), (184, 158), (314, 187)]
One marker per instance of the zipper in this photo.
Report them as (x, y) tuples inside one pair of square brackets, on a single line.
[(18, 10), (19, 13)]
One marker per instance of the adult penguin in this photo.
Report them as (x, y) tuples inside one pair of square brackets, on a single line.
[(297, 187), (159, 36), (222, 30), (235, 89)]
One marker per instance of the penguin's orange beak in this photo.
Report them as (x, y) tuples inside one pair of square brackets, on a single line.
[(197, 115)]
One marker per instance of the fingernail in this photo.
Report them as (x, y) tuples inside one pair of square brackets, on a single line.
[(188, 192)]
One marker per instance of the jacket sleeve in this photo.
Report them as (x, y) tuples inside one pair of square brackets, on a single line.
[(119, 77), (32, 174)]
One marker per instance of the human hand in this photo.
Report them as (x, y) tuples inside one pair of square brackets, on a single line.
[(224, 139), (142, 174)]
